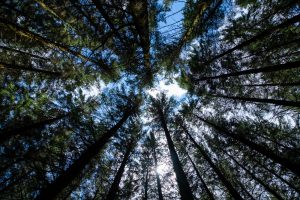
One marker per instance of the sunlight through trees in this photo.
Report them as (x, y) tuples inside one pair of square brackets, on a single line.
[(149, 99)]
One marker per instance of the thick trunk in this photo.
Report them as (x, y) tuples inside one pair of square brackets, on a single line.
[(76, 168), (114, 188), (260, 36), (234, 193), (160, 196), (28, 68), (272, 68), (293, 166), (257, 100), (184, 188), (25, 130), (209, 193), (266, 186)]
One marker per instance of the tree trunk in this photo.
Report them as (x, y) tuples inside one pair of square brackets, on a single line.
[(234, 193), (272, 68), (209, 193), (139, 10), (245, 190), (25, 129), (29, 68), (257, 100), (107, 19), (76, 168), (278, 176), (266, 186), (261, 35), (31, 35), (146, 184), (273, 84), (23, 52), (54, 13), (114, 188), (293, 166), (160, 196), (184, 188)]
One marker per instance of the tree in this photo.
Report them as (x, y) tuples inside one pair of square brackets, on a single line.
[(160, 109)]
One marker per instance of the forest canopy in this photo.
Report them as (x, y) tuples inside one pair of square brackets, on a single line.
[(84, 114)]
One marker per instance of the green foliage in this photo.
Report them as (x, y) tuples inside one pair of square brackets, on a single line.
[(73, 71)]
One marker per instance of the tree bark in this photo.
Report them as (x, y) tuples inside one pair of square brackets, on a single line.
[(272, 68), (266, 186), (114, 188), (209, 193), (261, 35), (257, 100), (76, 168), (24, 130), (160, 196), (234, 193), (285, 162), (184, 188)]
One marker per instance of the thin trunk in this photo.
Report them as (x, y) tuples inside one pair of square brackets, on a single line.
[(139, 10), (273, 84), (107, 19), (261, 35), (257, 100), (278, 176), (293, 166), (91, 21), (184, 188), (272, 68), (34, 36), (24, 52), (245, 190), (234, 193), (25, 130), (77, 167), (160, 196), (146, 184), (28, 68), (266, 186), (270, 48), (186, 36), (114, 188), (209, 193), (54, 13)]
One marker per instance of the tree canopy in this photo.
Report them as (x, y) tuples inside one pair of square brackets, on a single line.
[(83, 113)]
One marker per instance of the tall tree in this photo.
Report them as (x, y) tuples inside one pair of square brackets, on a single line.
[(160, 108)]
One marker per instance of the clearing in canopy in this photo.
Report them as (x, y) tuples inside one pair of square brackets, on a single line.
[(149, 99)]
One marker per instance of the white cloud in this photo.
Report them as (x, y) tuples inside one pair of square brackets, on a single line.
[(170, 89)]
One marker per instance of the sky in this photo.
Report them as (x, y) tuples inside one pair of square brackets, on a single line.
[(173, 89)]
